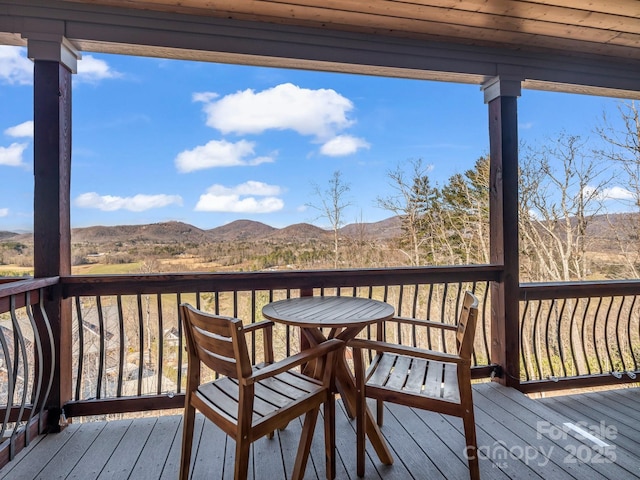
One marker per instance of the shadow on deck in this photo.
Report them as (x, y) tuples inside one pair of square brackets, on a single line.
[(585, 436)]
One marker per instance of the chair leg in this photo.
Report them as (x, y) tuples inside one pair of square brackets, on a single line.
[(360, 435), (379, 412), (305, 443), (187, 440), (471, 450), (360, 411), (330, 435), (242, 458)]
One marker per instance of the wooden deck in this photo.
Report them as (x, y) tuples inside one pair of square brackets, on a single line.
[(518, 437)]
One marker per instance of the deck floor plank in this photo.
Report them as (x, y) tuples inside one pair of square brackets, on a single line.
[(98, 454), (172, 464), (627, 458), (448, 432), (208, 457), (424, 444), (537, 447), (556, 414), (37, 456), (346, 448), (156, 450), (127, 453)]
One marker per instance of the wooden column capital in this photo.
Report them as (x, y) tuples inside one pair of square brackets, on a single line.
[(54, 48), (501, 86)]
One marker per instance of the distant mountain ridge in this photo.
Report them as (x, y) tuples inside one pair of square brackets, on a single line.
[(239, 230)]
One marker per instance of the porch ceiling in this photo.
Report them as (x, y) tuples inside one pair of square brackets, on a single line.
[(574, 27), (567, 45)]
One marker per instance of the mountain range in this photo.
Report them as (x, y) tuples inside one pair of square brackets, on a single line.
[(239, 230)]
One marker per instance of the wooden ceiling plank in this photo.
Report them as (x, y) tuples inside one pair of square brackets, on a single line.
[(535, 11), (516, 12), (393, 16), (626, 8), (483, 30)]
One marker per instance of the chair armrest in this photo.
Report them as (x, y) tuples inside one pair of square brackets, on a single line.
[(257, 326), (295, 360), (424, 323), (359, 343)]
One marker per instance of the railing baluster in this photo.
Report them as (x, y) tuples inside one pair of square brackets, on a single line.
[(17, 334), (121, 346), (52, 350), (10, 382), (141, 332), (547, 337), (180, 348), (38, 370), (80, 320), (630, 342), (101, 348), (160, 343), (594, 334), (559, 340)]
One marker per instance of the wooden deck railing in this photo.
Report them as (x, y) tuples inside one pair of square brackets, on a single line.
[(26, 346), (126, 352), (578, 334), (127, 347)]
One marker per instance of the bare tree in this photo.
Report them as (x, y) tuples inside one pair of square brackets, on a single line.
[(623, 150), (560, 193), (333, 203), (412, 200)]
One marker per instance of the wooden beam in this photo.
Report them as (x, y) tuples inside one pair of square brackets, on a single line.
[(52, 227), (501, 94)]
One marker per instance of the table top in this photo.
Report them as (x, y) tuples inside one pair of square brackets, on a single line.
[(333, 312)]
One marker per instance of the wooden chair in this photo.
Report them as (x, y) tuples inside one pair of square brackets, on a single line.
[(420, 378), (248, 402)]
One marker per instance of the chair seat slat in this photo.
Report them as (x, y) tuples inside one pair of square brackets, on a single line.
[(382, 369), (415, 380), (450, 388), (398, 375), (433, 381)]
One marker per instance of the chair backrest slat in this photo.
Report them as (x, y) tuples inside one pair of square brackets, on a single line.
[(217, 341), (467, 325)]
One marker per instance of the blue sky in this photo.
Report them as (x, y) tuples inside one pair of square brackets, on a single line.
[(157, 140)]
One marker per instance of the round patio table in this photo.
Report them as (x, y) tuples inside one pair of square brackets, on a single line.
[(344, 317)]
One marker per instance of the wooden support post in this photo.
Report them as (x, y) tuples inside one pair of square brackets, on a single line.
[(55, 60), (501, 95)]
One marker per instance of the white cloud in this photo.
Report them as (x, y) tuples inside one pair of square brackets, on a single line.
[(319, 113), (204, 97), (241, 198), (15, 67), (11, 156), (614, 193), (92, 70), (25, 129), (137, 203), (4, 212), (218, 153), (343, 145)]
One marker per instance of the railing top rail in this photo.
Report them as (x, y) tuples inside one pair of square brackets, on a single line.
[(26, 285), (582, 289), (78, 285)]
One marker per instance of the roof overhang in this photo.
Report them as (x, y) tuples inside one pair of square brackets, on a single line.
[(259, 39)]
